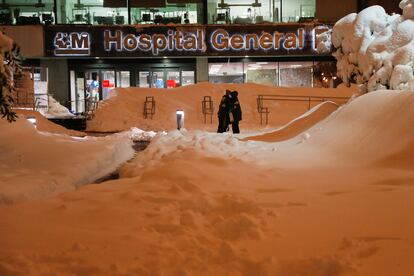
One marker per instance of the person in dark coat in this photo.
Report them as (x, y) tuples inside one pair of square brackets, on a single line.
[(223, 113), (235, 112)]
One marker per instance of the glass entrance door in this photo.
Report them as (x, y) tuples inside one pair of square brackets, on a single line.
[(123, 79), (92, 85), (173, 78), (108, 83), (165, 78), (100, 83), (157, 79)]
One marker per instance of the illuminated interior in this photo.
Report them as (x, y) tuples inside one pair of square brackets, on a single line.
[(259, 11), (287, 74), (115, 12)]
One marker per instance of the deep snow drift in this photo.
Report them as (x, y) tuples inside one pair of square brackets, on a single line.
[(35, 164), (125, 109), (376, 49), (337, 201)]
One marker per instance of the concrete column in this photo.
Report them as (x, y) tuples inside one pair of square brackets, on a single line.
[(58, 79), (202, 69)]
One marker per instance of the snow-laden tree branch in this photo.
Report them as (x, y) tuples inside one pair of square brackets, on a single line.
[(376, 49), (9, 67)]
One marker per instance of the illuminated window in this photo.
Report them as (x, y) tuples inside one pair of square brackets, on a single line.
[(296, 74), (98, 12), (27, 12), (226, 72), (258, 11), (265, 73), (170, 13), (294, 10)]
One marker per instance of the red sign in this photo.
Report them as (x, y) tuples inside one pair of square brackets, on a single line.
[(171, 83), (106, 83)]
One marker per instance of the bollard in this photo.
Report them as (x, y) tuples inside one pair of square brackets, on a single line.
[(180, 118)]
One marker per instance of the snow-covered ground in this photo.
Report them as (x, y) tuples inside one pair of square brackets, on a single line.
[(36, 164), (335, 199)]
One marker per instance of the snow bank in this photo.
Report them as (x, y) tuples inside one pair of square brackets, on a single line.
[(43, 124), (376, 49), (125, 109), (298, 125), (336, 201), (358, 134), (141, 135), (36, 164), (55, 109)]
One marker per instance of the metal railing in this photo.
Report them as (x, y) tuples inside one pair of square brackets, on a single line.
[(41, 102), (264, 110), (207, 108), (149, 107), (91, 107)]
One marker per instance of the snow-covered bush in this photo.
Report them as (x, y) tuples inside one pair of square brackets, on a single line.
[(376, 49), (9, 66)]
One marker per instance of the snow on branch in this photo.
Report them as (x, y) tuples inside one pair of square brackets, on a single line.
[(376, 49), (9, 67)]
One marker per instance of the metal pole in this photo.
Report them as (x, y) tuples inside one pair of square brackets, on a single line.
[(281, 10), (129, 12), (205, 12), (55, 10)]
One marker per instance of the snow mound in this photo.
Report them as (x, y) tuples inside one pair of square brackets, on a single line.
[(376, 49), (36, 164), (43, 124), (298, 125), (141, 135), (55, 109), (126, 109), (362, 132)]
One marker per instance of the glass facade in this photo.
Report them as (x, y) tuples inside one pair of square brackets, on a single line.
[(116, 12), (259, 11), (26, 12), (171, 13), (286, 74), (97, 12), (96, 84), (169, 77), (90, 12)]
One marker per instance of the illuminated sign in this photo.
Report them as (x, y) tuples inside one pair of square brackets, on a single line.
[(208, 40), (72, 44), (173, 41), (221, 40)]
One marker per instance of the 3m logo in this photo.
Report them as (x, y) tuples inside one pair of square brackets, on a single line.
[(73, 44)]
